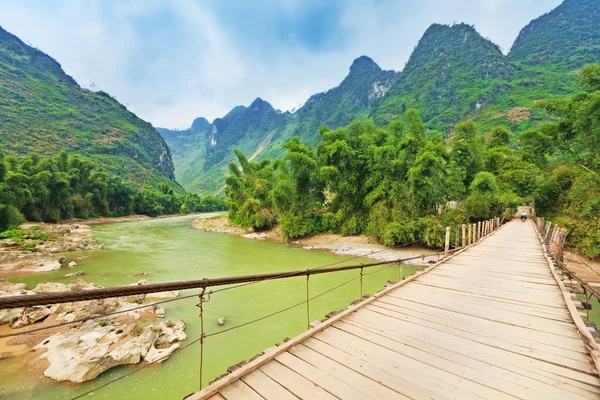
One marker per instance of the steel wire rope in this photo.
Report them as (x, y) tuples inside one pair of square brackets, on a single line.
[(81, 320), (221, 332)]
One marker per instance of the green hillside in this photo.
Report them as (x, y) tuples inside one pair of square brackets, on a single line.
[(43, 110), (453, 71), (564, 39)]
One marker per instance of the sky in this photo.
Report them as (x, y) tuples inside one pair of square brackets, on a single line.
[(170, 61)]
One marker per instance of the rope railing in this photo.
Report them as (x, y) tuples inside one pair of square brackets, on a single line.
[(553, 237)]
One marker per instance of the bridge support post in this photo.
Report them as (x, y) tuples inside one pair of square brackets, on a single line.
[(447, 243), (464, 235)]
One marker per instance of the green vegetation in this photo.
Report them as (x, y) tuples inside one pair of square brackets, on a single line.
[(564, 39), (52, 189), (393, 184), (406, 184), (43, 110), (453, 74)]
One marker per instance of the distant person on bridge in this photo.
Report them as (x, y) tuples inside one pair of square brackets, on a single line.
[(523, 216)]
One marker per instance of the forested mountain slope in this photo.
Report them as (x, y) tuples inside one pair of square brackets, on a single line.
[(454, 73), (43, 110), (565, 39)]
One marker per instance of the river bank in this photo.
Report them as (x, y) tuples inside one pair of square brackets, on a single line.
[(39, 247), (359, 246)]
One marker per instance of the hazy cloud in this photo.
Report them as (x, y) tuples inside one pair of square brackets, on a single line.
[(173, 61)]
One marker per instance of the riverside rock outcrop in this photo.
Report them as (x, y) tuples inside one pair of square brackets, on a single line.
[(81, 351), (86, 351)]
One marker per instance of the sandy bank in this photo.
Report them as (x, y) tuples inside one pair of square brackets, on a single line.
[(359, 246), (38, 250)]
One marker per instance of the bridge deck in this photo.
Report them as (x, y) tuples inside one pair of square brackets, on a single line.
[(492, 322)]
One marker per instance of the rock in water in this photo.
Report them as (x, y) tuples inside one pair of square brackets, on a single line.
[(83, 353), (221, 320)]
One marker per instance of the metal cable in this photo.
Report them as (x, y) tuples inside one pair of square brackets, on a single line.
[(43, 328), (220, 332)]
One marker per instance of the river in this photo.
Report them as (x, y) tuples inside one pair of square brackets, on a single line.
[(169, 250)]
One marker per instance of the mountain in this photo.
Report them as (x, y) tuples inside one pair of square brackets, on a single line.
[(202, 152), (44, 110), (452, 72), (565, 39), (365, 83)]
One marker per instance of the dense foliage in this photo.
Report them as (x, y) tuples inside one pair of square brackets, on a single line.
[(564, 39), (407, 184), (393, 184), (53, 189)]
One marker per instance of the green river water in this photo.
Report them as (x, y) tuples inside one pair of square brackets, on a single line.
[(169, 250)]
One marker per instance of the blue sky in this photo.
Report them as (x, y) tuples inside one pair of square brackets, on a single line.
[(172, 61)]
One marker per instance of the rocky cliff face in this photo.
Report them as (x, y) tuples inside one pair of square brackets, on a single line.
[(44, 110)]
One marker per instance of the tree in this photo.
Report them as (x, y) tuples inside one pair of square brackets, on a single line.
[(588, 77)]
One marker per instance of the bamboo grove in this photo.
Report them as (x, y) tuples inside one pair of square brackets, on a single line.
[(53, 189)]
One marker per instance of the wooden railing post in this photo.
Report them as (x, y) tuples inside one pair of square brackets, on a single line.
[(447, 243), (470, 229), (464, 235), (456, 237), (479, 229)]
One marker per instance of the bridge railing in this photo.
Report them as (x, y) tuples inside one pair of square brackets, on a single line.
[(471, 233), (553, 238)]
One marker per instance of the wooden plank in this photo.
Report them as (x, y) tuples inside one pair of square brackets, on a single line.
[(266, 387), (238, 390), (482, 326), (451, 361), (529, 322), (520, 368), (508, 305), (350, 387), (544, 369), (295, 383), (510, 285), (400, 379), (387, 358), (217, 397)]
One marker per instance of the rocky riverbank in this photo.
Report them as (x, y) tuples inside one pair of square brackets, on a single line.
[(81, 351), (359, 246), (37, 247)]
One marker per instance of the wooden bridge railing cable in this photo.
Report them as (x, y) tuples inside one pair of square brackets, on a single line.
[(476, 232)]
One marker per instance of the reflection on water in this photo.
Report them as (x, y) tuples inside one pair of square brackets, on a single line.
[(168, 250)]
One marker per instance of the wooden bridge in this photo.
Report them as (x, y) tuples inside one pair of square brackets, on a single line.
[(491, 322)]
